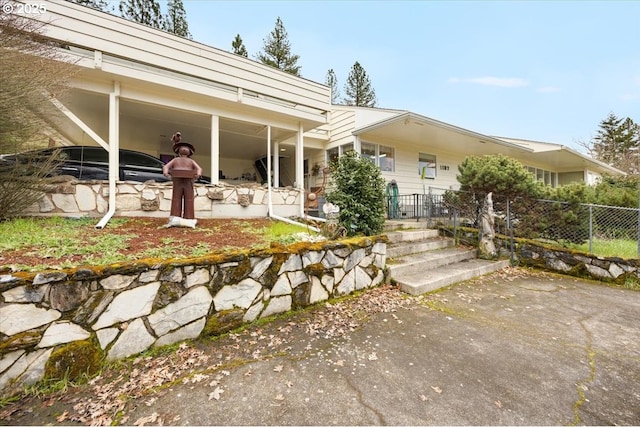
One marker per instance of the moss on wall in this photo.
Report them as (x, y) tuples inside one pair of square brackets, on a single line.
[(74, 360), (223, 322)]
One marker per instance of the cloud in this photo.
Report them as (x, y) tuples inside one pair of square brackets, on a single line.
[(492, 81)]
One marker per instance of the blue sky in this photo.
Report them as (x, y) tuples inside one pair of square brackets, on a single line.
[(541, 70)]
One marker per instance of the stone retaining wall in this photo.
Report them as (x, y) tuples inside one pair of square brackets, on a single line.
[(608, 269), (70, 197), (68, 321)]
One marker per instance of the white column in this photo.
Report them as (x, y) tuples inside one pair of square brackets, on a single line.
[(276, 164), (114, 136), (215, 149), (300, 167), (300, 158), (357, 145), (269, 162)]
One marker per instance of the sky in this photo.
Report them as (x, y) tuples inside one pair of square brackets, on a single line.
[(540, 70)]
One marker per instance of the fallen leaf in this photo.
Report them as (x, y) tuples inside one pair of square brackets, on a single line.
[(62, 417), (215, 394), (150, 419)]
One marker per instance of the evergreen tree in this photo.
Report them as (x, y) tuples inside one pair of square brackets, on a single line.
[(238, 46), (332, 82), (358, 88), (617, 143), (175, 20), (145, 12), (277, 51), (94, 4)]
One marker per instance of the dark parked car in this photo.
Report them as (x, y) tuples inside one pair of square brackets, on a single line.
[(89, 163)]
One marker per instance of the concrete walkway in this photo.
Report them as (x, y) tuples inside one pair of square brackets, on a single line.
[(511, 348)]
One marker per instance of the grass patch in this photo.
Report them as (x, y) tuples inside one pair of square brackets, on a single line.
[(610, 248), (283, 232), (68, 240), (55, 232)]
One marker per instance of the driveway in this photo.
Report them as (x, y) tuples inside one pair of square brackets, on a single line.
[(511, 348)]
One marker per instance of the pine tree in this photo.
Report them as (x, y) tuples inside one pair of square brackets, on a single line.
[(175, 21), (617, 143), (145, 12), (358, 88), (277, 51), (94, 4), (238, 46), (332, 82)]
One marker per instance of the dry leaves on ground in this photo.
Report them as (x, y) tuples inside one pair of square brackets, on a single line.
[(106, 397)]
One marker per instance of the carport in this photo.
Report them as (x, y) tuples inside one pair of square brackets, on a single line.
[(136, 86)]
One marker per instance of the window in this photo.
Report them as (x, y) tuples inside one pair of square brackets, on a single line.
[(379, 155), (368, 151), (427, 165), (545, 176), (335, 152), (386, 158)]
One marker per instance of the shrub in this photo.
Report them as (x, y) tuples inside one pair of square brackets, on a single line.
[(357, 187)]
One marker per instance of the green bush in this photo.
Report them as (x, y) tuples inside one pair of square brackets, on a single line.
[(357, 187)]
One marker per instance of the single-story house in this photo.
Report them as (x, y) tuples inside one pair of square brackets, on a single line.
[(136, 86)]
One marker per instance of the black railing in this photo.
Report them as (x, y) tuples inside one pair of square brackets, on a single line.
[(418, 206)]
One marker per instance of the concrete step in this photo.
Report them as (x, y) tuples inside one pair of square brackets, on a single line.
[(417, 283), (392, 225), (411, 235), (412, 247), (423, 261)]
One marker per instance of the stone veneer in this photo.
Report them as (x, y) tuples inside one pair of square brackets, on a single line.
[(607, 269), (121, 310), (69, 197)]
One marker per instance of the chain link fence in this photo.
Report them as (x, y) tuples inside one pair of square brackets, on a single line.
[(596, 229)]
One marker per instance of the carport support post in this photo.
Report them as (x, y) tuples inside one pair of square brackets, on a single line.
[(300, 167), (215, 149), (114, 137), (275, 164)]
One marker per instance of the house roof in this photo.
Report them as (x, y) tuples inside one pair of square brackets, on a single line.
[(562, 156), (429, 134), (407, 127)]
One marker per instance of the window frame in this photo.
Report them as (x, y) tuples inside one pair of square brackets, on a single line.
[(421, 156)]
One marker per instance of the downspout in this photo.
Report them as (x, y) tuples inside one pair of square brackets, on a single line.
[(269, 198), (114, 129)]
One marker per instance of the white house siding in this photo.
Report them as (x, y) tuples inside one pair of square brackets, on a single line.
[(406, 168), (115, 36), (341, 127), (366, 116)]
